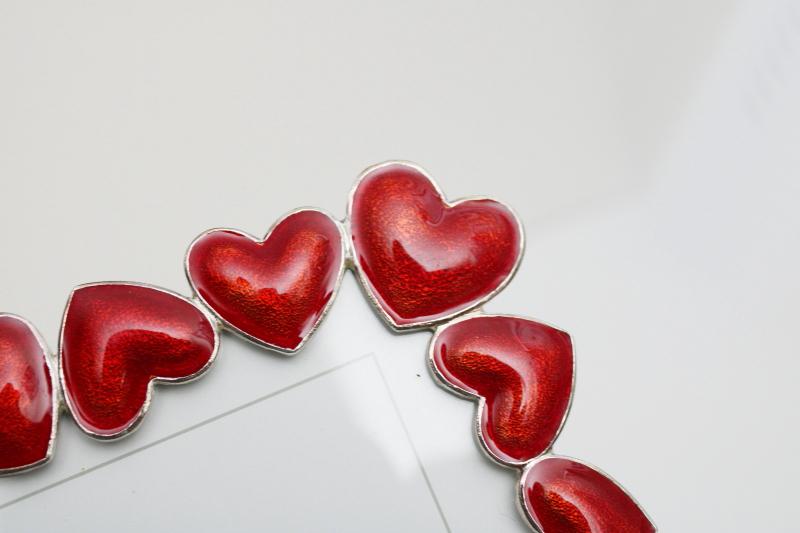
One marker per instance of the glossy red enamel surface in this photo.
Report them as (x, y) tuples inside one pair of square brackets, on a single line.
[(117, 338), (422, 259), (26, 396), (276, 290), (564, 496), (522, 368)]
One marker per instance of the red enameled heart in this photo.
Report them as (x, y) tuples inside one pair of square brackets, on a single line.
[(273, 291), (27, 409), (116, 339), (522, 369), (421, 259), (562, 495)]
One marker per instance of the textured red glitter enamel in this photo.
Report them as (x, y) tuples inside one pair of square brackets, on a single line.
[(522, 368), (565, 496), (275, 290), (26, 396), (425, 260), (116, 339)]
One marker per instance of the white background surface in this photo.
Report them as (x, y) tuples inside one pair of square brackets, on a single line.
[(650, 149)]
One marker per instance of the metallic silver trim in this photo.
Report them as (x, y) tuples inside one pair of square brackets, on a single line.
[(349, 261), (520, 499), (258, 342), (481, 402), (134, 424), (367, 287), (56, 407)]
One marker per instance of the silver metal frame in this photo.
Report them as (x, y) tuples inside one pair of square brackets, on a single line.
[(56, 407), (255, 340), (520, 499), (367, 286), (349, 260), (442, 381), (136, 422)]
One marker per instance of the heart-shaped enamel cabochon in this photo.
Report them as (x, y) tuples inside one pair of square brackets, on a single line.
[(421, 259)]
